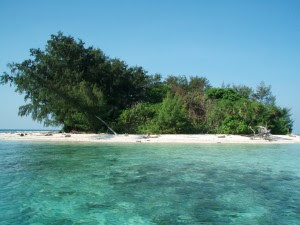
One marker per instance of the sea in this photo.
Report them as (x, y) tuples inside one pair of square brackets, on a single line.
[(25, 130), (116, 184)]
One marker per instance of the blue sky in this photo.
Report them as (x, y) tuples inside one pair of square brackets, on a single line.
[(241, 42)]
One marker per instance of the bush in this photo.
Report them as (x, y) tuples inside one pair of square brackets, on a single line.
[(172, 117), (135, 119)]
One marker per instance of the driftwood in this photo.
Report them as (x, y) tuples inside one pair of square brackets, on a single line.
[(262, 132), (151, 136), (106, 125)]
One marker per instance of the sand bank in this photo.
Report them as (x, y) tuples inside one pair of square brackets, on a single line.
[(165, 138)]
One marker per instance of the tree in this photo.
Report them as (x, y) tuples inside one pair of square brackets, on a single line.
[(156, 90), (199, 84), (137, 119), (70, 84), (243, 90), (177, 84), (222, 93), (229, 112), (172, 116), (264, 94)]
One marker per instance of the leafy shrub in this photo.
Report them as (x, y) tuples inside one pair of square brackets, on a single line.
[(138, 118)]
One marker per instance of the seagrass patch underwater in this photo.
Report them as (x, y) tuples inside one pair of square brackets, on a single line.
[(47, 183)]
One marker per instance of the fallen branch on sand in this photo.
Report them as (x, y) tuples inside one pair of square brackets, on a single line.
[(263, 132), (106, 125)]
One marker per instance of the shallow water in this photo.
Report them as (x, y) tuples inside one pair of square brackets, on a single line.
[(46, 183)]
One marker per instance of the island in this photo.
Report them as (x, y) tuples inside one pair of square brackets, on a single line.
[(84, 91)]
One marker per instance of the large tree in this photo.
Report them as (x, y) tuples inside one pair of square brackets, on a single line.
[(69, 84)]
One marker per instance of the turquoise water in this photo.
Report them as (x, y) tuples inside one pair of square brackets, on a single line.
[(46, 183)]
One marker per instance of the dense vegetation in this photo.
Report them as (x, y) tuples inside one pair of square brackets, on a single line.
[(70, 85)]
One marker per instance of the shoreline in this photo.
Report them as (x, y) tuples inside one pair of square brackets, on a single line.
[(46, 136)]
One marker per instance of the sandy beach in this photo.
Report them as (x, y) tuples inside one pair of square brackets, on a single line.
[(164, 138)]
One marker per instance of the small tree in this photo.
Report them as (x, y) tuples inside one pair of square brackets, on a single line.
[(264, 94), (172, 116), (137, 119)]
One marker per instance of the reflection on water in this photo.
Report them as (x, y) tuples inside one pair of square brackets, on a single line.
[(44, 183)]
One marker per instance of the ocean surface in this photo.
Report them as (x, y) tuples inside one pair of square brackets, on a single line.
[(24, 130), (48, 183)]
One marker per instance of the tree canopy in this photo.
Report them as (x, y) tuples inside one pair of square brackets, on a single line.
[(71, 85)]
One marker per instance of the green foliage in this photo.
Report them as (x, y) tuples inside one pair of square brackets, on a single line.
[(138, 118), (198, 84), (278, 120), (229, 117), (172, 116), (168, 117), (236, 117), (69, 84), (222, 93), (157, 89), (264, 94), (246, 92)]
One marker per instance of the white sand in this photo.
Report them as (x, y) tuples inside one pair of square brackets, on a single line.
[(166, 138)]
